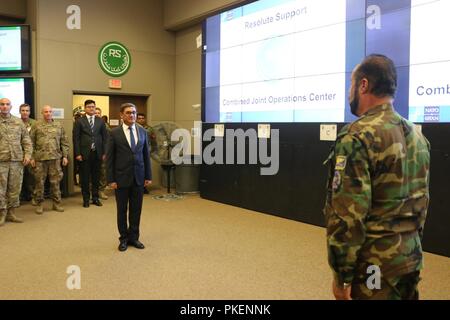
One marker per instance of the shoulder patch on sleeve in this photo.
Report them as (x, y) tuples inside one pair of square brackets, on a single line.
[(337, 179), (341, 162)]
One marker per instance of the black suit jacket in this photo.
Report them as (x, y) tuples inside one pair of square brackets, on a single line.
[(124, 166), (82, 138)]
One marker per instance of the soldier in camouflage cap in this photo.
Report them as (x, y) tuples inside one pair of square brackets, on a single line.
[(378, 196), (15, 153), (51, 147)]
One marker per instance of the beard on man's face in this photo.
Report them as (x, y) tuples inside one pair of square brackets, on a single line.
[(354, 103)]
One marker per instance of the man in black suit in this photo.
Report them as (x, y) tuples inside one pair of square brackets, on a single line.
[(90, 137), (128, 171)]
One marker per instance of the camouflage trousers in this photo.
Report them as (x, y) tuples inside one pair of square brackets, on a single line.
[(28, 183), (403, 287), (52, 169), (102, 180), (11, 175)]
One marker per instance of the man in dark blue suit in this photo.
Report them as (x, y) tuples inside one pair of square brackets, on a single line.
[(89, 141), (128, 171)]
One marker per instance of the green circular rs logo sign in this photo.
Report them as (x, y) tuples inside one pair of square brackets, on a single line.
[(114, 59)]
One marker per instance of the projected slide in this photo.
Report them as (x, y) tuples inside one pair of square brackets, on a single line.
[(429, 91), (14, 90), (291, 60), (10, 48), (272, 65)]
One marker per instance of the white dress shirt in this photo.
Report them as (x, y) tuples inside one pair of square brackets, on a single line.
[(127, 133)]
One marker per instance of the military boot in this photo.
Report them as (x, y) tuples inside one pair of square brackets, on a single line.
[(2, 217), (58, 207), (102, 195), (39, 208), (11, 217)]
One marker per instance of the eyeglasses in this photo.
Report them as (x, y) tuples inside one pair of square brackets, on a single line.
[(5, 104), (130, 112)]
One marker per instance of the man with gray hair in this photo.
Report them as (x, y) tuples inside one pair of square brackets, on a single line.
[(15, 153), (128, 172)]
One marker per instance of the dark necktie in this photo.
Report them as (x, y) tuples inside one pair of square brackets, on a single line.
[(91, 123), (132, 141)]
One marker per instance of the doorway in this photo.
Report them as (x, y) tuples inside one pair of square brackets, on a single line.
[(110, 104), (110, 107)]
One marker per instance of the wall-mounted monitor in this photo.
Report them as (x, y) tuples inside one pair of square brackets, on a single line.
[(18, 90), (15, 53), (291, 60)]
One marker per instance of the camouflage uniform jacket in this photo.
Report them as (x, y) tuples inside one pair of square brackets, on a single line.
[(377, 196), (151, 137), (49, 140), (15, 143), (151, 132), (29, 124)]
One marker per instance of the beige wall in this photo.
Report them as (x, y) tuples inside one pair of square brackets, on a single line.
[(188, 77), (67, 59), (31, 14), (13, 8), (181, 13)]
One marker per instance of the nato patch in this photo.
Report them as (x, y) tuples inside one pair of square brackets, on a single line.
[(341, 162)]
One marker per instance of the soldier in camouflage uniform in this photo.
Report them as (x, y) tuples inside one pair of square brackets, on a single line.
[(28, 174), (378, 196), (50, 147), (15, 153), (151, 135), (102, 179), (105, 120)]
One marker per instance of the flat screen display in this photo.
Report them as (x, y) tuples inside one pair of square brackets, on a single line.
[(18, 91), (291, 60), (14, 49)]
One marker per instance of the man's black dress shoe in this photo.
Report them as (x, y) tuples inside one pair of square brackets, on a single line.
[(97, 202), (137, 244), (123, 246), (86, 204)]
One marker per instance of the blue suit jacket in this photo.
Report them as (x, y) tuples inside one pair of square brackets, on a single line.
[(125, 166)]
